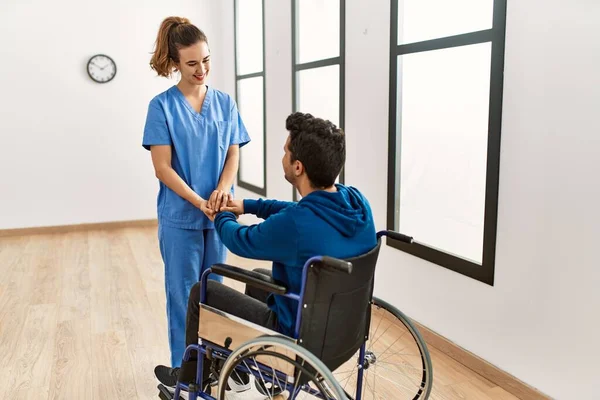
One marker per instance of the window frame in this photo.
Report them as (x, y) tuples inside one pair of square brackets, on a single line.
[(496, 35), (261, 191), (339, 60)]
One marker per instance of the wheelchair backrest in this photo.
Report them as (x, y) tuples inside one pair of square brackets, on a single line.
[(336, 318)]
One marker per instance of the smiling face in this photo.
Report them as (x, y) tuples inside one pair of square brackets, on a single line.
[(194, 63)]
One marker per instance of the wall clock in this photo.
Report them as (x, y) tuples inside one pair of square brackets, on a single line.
[(101, 68)]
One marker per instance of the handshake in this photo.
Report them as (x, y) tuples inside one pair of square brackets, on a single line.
[(220, 201)]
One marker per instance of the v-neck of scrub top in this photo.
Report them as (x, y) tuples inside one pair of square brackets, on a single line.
[(205, 104)]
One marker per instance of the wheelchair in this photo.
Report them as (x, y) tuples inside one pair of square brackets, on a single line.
[(347, 344)]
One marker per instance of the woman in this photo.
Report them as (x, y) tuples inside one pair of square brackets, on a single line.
[(193, 132)]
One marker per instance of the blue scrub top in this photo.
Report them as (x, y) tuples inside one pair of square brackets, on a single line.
[(199, 143)]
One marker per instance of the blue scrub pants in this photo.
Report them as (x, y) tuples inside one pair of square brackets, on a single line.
[(186, 254)]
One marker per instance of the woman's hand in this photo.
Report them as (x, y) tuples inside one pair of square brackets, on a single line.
[(218, 199), (203, 206)]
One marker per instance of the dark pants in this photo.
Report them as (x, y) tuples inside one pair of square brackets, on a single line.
[(251, 306)]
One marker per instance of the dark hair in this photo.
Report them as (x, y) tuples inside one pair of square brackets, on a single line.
[(174, 33), (319, 145)]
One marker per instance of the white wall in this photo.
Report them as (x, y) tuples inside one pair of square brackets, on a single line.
[(72, 148), (540, 322)]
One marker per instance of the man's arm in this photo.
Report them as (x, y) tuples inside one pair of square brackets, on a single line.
[(275, 239), (265, 208)]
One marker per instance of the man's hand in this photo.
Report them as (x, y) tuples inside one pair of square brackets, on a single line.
[(218, 199), (234, 206)]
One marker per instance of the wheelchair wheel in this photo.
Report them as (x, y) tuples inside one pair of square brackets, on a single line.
[(396, 362), (279, 367)]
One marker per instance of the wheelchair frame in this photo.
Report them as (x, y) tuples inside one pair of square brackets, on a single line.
[(196, 391)]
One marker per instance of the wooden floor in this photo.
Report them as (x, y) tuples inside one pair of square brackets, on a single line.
[(82, 316)]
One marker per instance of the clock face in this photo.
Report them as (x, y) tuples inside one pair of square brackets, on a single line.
[(101, 68)]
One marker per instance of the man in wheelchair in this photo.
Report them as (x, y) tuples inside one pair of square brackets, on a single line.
[(330, 219)]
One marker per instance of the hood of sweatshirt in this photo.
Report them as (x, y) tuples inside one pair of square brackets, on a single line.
[(346, 210)]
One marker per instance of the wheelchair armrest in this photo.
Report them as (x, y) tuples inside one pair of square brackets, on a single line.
[(251, 278)]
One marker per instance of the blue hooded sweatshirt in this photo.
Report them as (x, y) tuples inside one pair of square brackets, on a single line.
[(336, 224)]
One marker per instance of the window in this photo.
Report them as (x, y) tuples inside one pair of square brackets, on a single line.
[(318, 28), (250, 92), (446, 77)]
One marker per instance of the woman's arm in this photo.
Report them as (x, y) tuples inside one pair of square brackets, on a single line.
[(232, 162), (161, 159), (221, 195)]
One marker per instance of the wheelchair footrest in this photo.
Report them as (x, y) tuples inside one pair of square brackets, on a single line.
[(164, 393)]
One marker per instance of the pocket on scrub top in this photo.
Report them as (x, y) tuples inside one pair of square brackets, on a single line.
[(223, 132)]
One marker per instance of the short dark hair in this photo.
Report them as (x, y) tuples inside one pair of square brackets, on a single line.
[(319, 145)]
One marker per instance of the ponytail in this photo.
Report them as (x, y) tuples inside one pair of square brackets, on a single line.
[(174, 33)]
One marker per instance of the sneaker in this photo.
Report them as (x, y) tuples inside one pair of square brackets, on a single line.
[(268, 389), (239, 382), (167, 376)]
